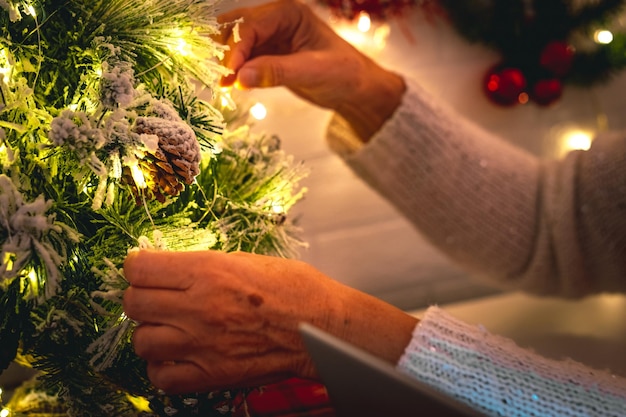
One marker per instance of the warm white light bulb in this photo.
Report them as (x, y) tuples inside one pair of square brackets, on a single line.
[(365, 22), (258, 111), (5, 68), (278, 208), (577, 139), (183, 47), (5, 412), (603, 36), (137, 174), (226, 98)]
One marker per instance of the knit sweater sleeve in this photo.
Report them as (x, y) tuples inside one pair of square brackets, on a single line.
[(498, 378), (549, 227)]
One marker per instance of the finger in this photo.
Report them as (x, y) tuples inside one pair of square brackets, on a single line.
[(234, 59), (186, 377), (161, 269), (158, 306), (178, 377), (161, 343), (287, 70), (267, 29)]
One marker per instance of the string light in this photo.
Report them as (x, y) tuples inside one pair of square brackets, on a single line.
[(603, 37), (30, 10), (226, 98), (9, 257), (278, 208), (364, 34), (183, 47), (258, 111), (577, 139), (180, 46), (5, 66), (4, 412), (137, 173), (567, 139), (364, 22), (33, 279)]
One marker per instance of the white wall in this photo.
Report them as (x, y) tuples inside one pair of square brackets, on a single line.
[(354, 235)]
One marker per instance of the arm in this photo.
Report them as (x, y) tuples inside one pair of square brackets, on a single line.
[(496, 377), (285, 44), (551, 227), (214, 320)]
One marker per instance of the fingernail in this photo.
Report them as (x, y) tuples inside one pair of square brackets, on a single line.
[(248, 77)]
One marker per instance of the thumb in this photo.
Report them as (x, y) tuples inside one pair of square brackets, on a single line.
[(273, 71)]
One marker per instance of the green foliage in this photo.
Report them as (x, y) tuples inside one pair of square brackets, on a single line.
[(107, 145)]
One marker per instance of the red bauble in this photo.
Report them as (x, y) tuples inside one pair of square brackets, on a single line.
[(504, 85), (546, 92), (379, 10), (557, 57)]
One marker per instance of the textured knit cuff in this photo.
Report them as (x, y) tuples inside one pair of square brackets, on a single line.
[(496, 377), (341, 138)]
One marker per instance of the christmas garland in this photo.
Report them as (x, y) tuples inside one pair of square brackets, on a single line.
[(542, 44), (107, 145)]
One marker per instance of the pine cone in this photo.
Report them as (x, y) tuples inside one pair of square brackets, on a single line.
[(175, 163)]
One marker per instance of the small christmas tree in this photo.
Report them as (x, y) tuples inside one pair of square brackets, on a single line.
[(108, 145)]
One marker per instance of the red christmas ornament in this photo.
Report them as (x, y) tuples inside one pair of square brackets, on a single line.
[(557, 57), (546, 92), (504, 85), (378, 10)]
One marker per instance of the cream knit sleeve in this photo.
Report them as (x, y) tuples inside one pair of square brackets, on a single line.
[(550, 227), (498, 378)]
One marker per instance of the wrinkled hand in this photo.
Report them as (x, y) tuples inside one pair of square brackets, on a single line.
[(285, 44), (213, 320)]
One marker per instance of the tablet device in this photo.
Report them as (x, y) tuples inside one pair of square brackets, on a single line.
[(362, 385)]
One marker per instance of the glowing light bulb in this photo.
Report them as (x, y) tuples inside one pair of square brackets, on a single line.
[(603, 36), (5, 68), (278, 208), (364, 22), (577, 140), (226, 98), (259, 111), (5, 412), (140, 179), (570, 137), (365, 35), (9, 257), (183, 47), (116, 172), (32, 277)]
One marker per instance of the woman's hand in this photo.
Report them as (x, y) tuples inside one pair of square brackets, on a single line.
[(212, 320), (285, 44)]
